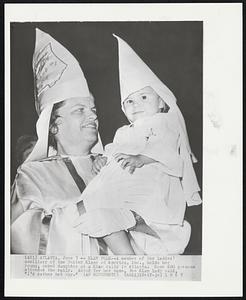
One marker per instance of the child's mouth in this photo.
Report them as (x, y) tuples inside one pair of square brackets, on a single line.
[(138, 112)]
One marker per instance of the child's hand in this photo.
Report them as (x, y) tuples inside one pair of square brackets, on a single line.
[(132, 161), (98, 163)]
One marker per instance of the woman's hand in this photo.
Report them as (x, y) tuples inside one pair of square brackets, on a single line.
[(99, 162), (132, 161)]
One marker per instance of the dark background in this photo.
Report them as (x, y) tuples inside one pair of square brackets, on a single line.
[(173, 50)]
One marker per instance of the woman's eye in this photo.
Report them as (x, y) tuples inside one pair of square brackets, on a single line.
[(129, 101), (144, 97), (79, 110)]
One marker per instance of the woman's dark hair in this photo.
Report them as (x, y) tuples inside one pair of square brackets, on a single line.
[(166, 108), (54, 115), (24, 143)]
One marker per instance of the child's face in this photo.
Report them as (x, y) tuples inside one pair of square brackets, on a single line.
[(143, 103)]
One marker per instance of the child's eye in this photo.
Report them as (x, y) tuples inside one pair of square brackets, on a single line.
[(129, 101)]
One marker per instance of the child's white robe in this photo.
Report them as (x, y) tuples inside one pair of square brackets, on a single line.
[(154, 191)]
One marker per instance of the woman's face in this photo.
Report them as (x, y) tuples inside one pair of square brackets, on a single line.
[(77, 123), (145, 102)]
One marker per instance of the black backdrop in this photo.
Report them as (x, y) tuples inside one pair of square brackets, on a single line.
[(173, 50)]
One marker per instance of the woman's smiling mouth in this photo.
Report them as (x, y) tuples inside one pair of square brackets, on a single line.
[(90, 125)]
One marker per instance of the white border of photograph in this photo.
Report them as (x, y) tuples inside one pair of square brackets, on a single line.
[(222, 148)]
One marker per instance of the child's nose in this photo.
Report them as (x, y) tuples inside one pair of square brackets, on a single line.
[(137, 102)]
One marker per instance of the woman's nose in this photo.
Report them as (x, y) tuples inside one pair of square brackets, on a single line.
[(92, 115)]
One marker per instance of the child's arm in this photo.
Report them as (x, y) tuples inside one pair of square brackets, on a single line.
[(162, 146), (133, 161), (169, 159)]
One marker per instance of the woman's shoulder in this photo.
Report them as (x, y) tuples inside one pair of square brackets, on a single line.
[(39, 165)]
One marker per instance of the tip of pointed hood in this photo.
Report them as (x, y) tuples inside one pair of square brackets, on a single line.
[(38, 30), (117, 37), (121, 42)]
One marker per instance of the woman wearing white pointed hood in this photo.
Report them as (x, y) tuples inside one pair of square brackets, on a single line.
[(46, 191), (149, 177)]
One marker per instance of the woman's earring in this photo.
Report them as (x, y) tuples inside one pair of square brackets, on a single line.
[(54, 129)]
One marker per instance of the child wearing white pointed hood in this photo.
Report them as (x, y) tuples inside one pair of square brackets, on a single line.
[(149, 174)]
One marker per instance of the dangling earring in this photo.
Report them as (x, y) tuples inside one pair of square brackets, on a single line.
[(54, 129)]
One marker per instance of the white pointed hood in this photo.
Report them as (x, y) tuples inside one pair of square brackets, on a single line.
[(57, 77), (134, 75)]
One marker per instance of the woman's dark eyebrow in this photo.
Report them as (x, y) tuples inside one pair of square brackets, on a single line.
[(78, 104), (83, 106)]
